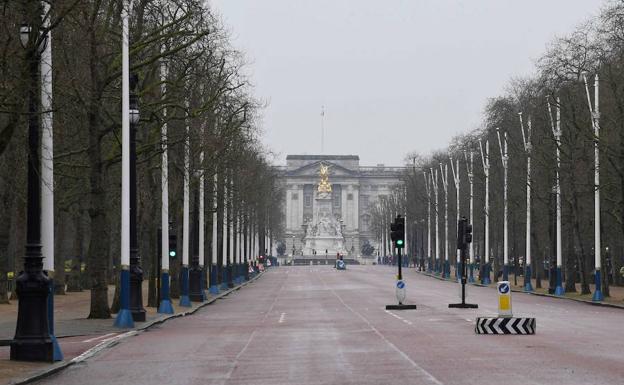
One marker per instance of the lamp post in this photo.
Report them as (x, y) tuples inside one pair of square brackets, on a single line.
[(455, 172), (526, 139), (196, 270), (224, 235), (214, 269), (556, 130), (47, 175), (32, 341), (136, 272), (595, 118), (446, 271), (470, 169), (505, 161), (124, 316), (185, 299), (485, 160), (434, 183), (165, 306), (428, 191)]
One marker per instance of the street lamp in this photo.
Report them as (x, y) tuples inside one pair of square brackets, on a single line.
[(485, 161), (32, 341), (136, 272), (505, 161), (526, 139), (595, 119), (124, 317)]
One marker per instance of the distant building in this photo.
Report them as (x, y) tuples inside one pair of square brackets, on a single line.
[(354, 190)]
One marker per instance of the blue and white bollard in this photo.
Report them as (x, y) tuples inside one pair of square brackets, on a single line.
[(559, 287), (165, 306), (598, 292), (124, 317)]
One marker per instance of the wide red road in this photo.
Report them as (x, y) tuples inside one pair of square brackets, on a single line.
[(315, 325)]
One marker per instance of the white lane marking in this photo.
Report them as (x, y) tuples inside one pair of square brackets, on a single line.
[(99, 337), (235, 364), (428, 375), (468, 320), (102, 345), (281, 319)]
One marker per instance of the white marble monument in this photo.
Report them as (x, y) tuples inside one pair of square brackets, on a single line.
[(324, 232)]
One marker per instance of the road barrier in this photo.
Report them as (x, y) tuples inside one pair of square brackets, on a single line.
[(504, 299), (505, 323)]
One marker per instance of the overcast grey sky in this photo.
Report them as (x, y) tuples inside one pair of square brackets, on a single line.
[(421, 69)]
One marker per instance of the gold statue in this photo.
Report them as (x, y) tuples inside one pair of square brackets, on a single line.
[(324, 186)]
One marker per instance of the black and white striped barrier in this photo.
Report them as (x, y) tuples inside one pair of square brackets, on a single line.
[(505, 325)]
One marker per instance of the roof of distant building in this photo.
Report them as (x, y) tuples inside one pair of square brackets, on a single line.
[(322, 157)]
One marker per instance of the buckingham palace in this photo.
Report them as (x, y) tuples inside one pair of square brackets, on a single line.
[(327, 202)]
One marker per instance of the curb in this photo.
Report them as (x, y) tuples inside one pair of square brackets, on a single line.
[(603, 304), (57, 367)]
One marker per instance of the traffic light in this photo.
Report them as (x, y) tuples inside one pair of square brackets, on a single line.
[(464, 233), (173, 244), (468, 233), (397, 232)]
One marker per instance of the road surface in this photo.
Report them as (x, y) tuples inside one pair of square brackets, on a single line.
[(317, 325)]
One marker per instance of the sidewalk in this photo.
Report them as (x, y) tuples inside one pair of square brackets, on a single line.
[(76, 334)]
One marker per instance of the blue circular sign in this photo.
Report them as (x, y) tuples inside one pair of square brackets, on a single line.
[(504, 288), (400, 284)]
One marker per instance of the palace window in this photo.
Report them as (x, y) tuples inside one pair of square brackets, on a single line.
[(307, 200), (295, 196)]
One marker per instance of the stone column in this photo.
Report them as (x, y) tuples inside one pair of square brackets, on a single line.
[(343, 206), (356, 207), (300, 207), (288, 207)]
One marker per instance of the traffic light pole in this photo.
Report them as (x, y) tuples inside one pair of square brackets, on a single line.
[(397, 235), (399, 263), (464, 237)]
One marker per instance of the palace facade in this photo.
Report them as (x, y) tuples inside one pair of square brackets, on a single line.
[(354, 191)]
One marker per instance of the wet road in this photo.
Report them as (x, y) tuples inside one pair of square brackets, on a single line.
[(316, 325)]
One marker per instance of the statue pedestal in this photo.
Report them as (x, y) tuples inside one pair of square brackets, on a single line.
[(324, 232)]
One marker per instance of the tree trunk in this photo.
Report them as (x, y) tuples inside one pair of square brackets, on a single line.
[(116, 305), (582, 262), (570, 282), (97, 259)]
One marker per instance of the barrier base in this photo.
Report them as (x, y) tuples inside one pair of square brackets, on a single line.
[(400, 307), (505, 325), (464, 305)]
